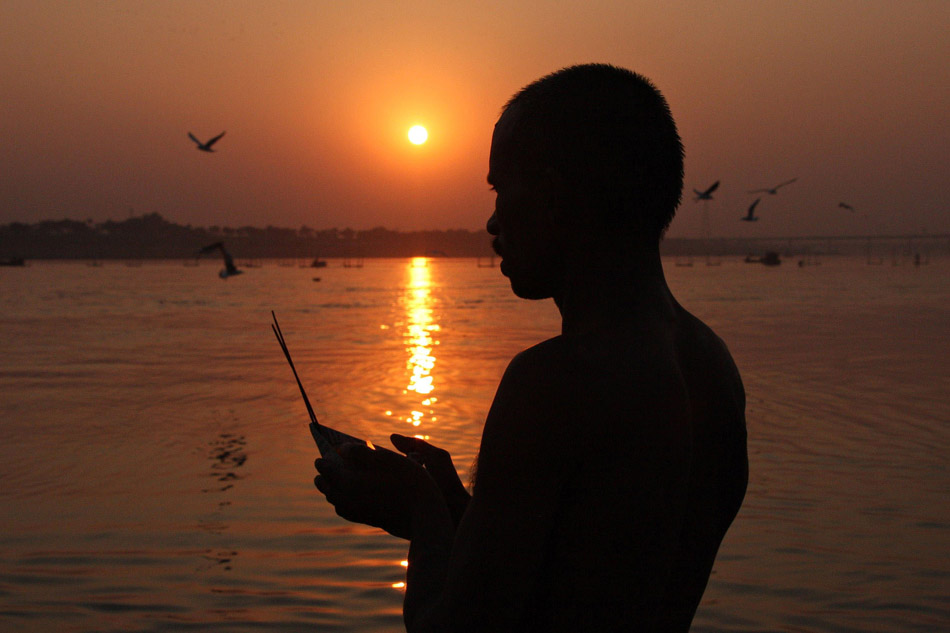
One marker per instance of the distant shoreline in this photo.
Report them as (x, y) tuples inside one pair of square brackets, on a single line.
[(153, 237)]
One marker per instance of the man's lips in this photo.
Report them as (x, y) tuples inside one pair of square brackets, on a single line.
[(503, 265), (496, 248)]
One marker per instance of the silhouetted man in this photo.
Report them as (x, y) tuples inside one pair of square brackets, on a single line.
[(613, 458)]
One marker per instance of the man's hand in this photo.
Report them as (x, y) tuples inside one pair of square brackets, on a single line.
[(376, 487), (438, 463)]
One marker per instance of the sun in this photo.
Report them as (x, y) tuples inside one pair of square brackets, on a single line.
[(418, 135)]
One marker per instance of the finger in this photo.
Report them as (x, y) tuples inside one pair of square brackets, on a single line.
[(330, 470), (326, 485), (401, 442), (325, 466), (436, 460), (330, 493), (427, 453), (411, 444)]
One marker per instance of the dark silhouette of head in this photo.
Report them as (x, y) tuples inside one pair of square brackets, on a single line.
[(585, 160), (607, 140)]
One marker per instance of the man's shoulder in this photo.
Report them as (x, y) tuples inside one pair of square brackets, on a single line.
[(699, 335), (704, 356), (529, 420), (542, 356), (535, 387), (539, 373)]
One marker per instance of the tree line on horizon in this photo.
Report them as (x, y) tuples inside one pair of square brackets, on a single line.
[(151, 236)]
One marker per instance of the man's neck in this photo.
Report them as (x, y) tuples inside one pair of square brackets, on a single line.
[(607, 289)]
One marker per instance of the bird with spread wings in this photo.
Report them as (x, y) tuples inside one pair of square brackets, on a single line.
[(774, 190), (750, 214), (229, 269), (707, 194), (205, 147)]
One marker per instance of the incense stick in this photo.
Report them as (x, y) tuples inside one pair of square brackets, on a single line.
[(325, 437), (280, 339)]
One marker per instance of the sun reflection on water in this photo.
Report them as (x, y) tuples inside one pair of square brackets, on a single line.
[(420, 338)]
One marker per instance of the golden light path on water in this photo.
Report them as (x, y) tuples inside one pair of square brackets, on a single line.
[(420, 339)]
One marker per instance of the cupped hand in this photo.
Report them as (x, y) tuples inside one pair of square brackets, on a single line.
[(438, 463), (376, 487)]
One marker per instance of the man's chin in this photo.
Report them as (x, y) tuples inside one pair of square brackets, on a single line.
[(522, 287), (524, 290)]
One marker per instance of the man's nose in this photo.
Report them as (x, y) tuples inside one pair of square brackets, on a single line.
[(492, 224)]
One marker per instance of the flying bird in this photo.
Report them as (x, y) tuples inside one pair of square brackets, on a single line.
[(750, 217), (706, 195), (774, 190), (846, 206), (229, 269), (205, 147)]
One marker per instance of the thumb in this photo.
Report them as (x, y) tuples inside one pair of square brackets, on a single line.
[(436, 460), (409, 444)]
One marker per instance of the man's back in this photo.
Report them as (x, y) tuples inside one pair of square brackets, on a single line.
[(719, 469), (651, 479)]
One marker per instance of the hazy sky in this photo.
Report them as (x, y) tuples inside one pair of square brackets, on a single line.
[(97, 98)]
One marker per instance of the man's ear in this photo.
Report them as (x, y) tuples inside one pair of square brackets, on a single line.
[(569, 206)]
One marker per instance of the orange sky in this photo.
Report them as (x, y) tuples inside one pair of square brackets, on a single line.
[(316, 98)]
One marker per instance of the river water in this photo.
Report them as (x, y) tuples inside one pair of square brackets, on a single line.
[(156, 469)]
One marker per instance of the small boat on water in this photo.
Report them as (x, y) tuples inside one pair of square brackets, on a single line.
[(318, 263), (770, 258), (12, 261)]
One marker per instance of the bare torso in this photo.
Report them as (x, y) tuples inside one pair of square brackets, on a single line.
[(644, 434)]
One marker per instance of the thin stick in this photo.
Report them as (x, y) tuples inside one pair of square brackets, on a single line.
[(280, 339)]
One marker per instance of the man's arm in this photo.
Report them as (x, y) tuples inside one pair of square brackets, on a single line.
[(485, 583), (438, 463)]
